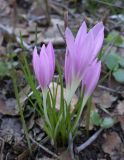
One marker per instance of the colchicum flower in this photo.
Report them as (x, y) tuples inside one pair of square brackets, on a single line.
[(44, 65), (81, 52), (91, 78)]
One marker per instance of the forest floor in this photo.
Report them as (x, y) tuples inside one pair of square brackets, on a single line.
[(28, 17)]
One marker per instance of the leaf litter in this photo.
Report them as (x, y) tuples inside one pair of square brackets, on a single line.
[(11, 131)]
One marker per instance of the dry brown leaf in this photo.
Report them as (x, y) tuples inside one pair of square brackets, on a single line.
[(44, 35), (52, 34), (32, 28), (37, 9), (11, 129), (32, 38), (30, 122), (111, 143), (65, 156), (40, 123), (4, 9), (23, 95), (2, 51), (26, 153), (23, 31), (120, 108), (121, 120), (8, 107), (103, 98)]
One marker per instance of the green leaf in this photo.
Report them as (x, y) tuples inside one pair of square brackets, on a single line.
[(114, 37), (107, 122), (95, 118), (112, 61), (3, 69), (119, 75), (121, 62)]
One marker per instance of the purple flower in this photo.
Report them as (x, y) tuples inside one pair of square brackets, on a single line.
[(44, 65), (91, 78), (80, 53)]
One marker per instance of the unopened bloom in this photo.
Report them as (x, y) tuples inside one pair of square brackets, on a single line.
[(44, 65), (91, 78), (89, 83), (80, 54)]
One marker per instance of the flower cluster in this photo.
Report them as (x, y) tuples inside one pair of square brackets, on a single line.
[(81, 63)]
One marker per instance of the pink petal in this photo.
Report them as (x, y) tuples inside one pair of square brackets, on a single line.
[(85, 54), (51, 56), (91, 78), (68, 68), (81, 34), (98, 42), (69, 40), (44, 68), (36, 63), (99, 26)]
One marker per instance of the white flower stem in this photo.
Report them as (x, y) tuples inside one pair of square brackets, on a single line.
[(45, 108), (71, 91)]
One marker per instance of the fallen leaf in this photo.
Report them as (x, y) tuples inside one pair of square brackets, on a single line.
[(30, 122), (103, 98), (40, 122), (52, 34), (23, 95), (120, 107), (37, 9), (121, 120), (112, 144), (24, 155), (11, 129), (23, 31), (32, 37), (8, 107), (32, 28), (65, 156)]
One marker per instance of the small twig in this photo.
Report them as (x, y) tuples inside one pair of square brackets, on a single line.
[(65, 19), (37, 88), (89, 141), (105, 110), (30, 94), (35, 18), (11, 34), (26, 152), (64, 7), (44, 148), (7, 155), (56, 9), (110, 90), (109, 4), (47, 12), (62, 35)]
